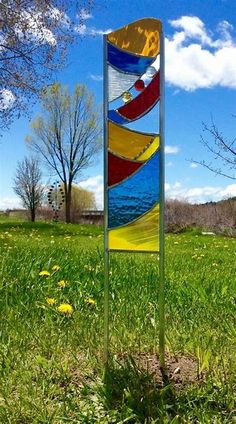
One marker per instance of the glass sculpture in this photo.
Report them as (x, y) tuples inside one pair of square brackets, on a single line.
[(132, 158)]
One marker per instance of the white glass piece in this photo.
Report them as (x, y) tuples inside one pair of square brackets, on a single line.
[(150, 72), (118, 83)]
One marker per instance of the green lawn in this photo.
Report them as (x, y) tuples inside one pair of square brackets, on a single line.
[(51, 368)]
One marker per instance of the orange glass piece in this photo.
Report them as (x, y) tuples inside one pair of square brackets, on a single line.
[(140, 37), (140, 235), (131, 144)]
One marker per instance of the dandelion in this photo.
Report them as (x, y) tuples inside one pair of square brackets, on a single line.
[(56, 268), (44, 273), (65, 308), (51, 301), (61, 284), (90, 301)]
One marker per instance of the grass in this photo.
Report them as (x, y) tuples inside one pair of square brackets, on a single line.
[(51, 368)]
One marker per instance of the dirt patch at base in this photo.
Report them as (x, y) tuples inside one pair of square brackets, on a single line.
[(181, 370)]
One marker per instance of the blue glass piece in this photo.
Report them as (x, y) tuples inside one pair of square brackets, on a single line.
[(136, 195), (116, 117), (126, 62)]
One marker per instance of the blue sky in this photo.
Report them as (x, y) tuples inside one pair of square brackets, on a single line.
[(200, 39)]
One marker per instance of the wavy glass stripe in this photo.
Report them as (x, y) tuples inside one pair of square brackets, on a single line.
[(126, 62), (127, 143), (150, 149), (140, 235), (120, 168), (141, 104)]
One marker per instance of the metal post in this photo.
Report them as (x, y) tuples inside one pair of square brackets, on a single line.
[(162, 206), (106, 251)]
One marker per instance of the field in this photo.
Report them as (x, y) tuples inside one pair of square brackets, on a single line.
[(51, 346)]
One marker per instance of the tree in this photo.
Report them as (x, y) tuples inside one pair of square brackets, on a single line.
[(223, 152), (27, 185), (67, 136), (34, 36), (81, 200)]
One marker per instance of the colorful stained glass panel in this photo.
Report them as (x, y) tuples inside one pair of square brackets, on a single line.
[(133, 157)]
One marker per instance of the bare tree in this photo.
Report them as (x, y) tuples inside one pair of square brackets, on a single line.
[(67, 136), (222, 151), (27, 185), (34, 36)]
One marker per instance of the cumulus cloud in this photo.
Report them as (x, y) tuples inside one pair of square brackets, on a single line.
[(197, 58), (171, 149), (94, 184), (193, 165), (199, 194)]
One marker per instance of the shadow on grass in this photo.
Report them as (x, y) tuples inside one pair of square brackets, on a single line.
[(128, 387)]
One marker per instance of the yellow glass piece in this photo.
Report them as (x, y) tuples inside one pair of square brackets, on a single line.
[(127, 143), (127, 96), (150, 149), (140, 37), (140, 235)]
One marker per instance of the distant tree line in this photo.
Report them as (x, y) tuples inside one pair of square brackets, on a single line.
[(219, 217)]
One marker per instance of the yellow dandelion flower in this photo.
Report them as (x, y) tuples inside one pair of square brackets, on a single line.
[(51, 301), (90, 301), (65, 308), (44, 273), (56, 268), (61, 283)]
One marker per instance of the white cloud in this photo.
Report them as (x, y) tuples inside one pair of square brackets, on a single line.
[(169, 164), (199, 194), (193, 165), (95, 184), (10, 203), (84, 30), (35, 31), (197, 59), (171, 149), (96, 77), (7, 99)]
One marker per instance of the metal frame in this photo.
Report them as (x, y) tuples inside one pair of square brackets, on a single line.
[(162, 210), (106, 251), (162, 207)]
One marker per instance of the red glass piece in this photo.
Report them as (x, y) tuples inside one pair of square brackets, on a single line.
[(139, 85), (119, 168), (144, 102)]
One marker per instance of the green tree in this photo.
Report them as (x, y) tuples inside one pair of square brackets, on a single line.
[(67, 135)]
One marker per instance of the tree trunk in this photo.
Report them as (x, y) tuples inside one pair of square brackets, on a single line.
[(32, 214), (68, 204)]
